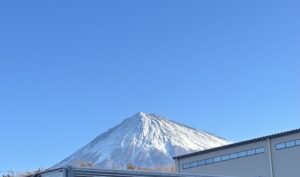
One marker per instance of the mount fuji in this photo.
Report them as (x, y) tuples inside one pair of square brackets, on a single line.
[(148, 141)]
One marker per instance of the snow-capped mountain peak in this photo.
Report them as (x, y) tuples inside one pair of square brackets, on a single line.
[(145, 140)]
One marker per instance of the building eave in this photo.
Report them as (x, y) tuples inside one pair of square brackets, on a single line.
[(239, 143)]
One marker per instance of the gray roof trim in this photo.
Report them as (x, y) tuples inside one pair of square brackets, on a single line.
[(93, 172), (239, 143)]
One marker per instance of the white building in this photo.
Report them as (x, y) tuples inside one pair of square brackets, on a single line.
[(276, 155)]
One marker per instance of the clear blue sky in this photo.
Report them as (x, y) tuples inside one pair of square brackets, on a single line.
[(70, 70)]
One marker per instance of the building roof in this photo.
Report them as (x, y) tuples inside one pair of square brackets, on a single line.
[(92, 172), (239, 143)]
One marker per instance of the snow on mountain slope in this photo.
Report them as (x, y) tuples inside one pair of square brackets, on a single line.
[(145, 140)]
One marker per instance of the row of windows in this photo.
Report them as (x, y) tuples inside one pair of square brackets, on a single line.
[(223, 158), (288, 144)]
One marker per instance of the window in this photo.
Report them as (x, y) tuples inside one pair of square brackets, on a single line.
[(251, 152), (186, 165), (225, 157), (280, 146), (259, 150), (193, 164), (242, 154), (290, 144), (208, 161), (233, 156), (201, 162), (287, 144), (297, 142), (217, 159)]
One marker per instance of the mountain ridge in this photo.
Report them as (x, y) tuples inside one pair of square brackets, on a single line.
[(145, 140)]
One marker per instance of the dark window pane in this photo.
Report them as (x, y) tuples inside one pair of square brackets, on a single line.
[(280, 146), (201, 162), (233, 156), (208, 161), (217, 159), (290, 144), (193, 164), (225, 157), (251, 152), (242, 154), (186, 165), (259, 150)]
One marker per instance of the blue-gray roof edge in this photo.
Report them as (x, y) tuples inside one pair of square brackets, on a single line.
[(239, 143)]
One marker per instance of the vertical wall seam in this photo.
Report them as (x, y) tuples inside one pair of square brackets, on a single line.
[(177, 165), (270, 157)]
